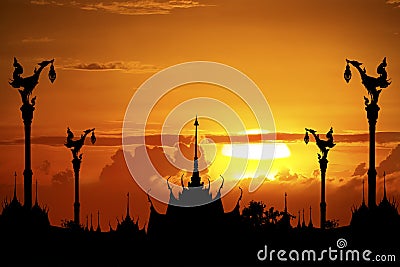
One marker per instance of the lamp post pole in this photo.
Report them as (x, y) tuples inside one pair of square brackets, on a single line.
[(27, 84), (75, 147), (324, 146), (371, 106)]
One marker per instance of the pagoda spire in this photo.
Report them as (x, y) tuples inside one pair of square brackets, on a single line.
[(87, 223), (91, 222), (195, 179), (310, 224), (127, 207), (98, 229), (363, 198), (196, 123), (384, 186), (15, 186), (36, 197), (304, 221), (298, 222), (285, 203)]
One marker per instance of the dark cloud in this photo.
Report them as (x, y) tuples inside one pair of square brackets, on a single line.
[(286, 175), (360, 170), (116, 180), (381, 137), (62, 177), (132, 67), (44, 167), (316, 173), (37, 40), (149, 7), (391, 163)]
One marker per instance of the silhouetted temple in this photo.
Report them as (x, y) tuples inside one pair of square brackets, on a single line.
[(384, 216), (128, 225), (194, 214), (17, 217)]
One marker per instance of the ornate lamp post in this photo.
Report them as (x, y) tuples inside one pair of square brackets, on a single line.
[(75, 146), (324, 146), (372, 108), (28, 106)]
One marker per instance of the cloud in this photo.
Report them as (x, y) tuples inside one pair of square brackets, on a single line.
[(360, 170), (391, 163), (37, 40), (62, 177), (316, 173), (285, 175), (115, 139), (381, 137), (116, 181), (138, 7), (131, 67), (44, 167)]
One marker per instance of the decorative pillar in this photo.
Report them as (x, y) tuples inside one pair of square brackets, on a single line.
[(28, 106), (324, 146), (371, 106), (75, 147)]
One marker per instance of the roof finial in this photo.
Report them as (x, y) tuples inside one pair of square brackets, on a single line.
[(285, 203), (384, 185), (127, 207), (195, 179), (98, 221), (298, 221), (363, 198), (36, 198), (91, 222), (196, 123), (15, 186)]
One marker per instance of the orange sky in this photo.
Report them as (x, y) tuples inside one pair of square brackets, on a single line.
[(294, 51)]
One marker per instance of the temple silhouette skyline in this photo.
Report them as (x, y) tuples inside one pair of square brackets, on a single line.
[(196, 216)]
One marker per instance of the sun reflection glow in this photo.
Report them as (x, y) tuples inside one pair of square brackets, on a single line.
[(256, 151)]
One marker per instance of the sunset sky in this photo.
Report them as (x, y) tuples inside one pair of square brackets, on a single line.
[(294, 52)]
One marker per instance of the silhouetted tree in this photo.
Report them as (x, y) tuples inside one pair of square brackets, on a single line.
[(254, 213), (70, 224), (330, 224), (272, 215), (257, 216)]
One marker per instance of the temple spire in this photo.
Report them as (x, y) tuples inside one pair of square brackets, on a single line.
[(196, 123), (91, 222), (98, 222), (36, 197), (15, 186), (310, 224), (298, 222), (87, 223), (304, 221), (127, 207), (285, 202), (195, 180), (363, 198), (384, 186)]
